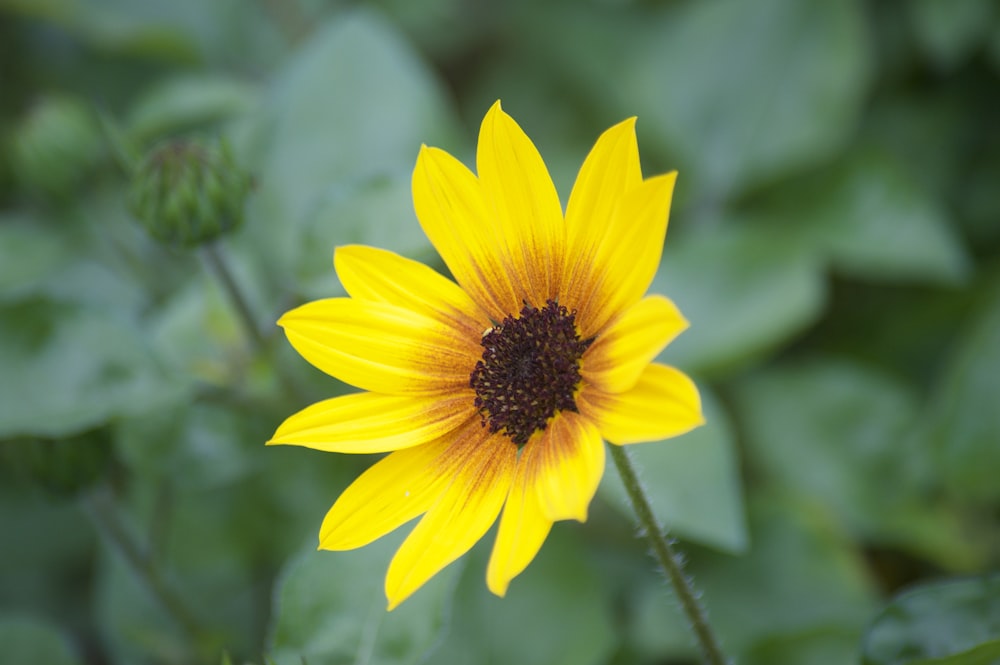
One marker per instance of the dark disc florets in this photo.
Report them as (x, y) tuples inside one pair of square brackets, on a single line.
[(530, 370)]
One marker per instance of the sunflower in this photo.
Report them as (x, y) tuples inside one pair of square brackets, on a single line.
[(495, 391)]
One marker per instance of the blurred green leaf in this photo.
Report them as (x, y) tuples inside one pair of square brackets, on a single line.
[(330, 609), (126, 28), (950, 32), (29, 252), (197, 446), (692, 482), (818, 647), (840, 434), (962, 423), (196, 334), (24, 639), (133, 624), (739, 94), (354, 105), (68, 368), (951, 622), (44, 569), (188, 102), (801, 581), (746, 288), (182, 32), (378, 213), (555, 612), (874, 222)]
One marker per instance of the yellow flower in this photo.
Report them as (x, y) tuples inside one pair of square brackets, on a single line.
[(497, 392)]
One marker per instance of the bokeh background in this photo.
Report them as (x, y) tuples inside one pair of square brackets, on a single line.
[(834, 241)]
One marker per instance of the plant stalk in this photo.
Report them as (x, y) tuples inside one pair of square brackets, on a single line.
[(217, 262), (669, 560), (109, 523)]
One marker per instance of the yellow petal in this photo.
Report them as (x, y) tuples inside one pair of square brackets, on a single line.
[(664, 403), (368, 273), (449, 203), (619, 355), (392, 492), (380, 347), (610, 170), (518, 189), (627, 261), (523, 529), (375, 423), (566, 467), (479, 482)]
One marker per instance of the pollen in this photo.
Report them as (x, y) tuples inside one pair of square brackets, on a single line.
[(530, 370)]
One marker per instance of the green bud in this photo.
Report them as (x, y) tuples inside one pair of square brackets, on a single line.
[(189, 192), (55, 146)]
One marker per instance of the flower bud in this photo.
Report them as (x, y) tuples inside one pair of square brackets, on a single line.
[(55, 146), (188, 192)]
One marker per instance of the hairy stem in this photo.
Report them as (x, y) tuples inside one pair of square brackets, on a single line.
[(669, 560)]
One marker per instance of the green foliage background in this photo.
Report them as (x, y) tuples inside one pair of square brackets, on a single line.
[(834, 242)]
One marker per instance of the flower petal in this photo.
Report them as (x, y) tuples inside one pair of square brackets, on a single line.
[(523, 529), (619, 355), (610, 170), (626, 262), (380, 347), (375, 423), (392, 492), (368, 273), (480, 477), (517, 187), (663, 403), (449, 203), (566, 466)]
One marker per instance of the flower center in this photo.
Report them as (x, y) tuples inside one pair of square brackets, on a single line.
[(530, 370)]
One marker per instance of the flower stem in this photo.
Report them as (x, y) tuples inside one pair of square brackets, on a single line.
[(106, 517), (669, 560), (217, 262)]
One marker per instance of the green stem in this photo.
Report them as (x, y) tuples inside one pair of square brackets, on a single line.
[(218, 264), (110, 524), (669, 560)]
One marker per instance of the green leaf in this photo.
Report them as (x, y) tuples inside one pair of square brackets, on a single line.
[(353, 106), (69, 368), (184, 103), (951, 622), (24, 639), (811, 647), (745, 287), (197, 446), (962, 424), (950, 35), (29, 252), (378, 213), (873, 221), (43, 570), (555, 612), (196, 334), (330, 609), (692, 483), (742, 93), (831, 431), (183, 32)]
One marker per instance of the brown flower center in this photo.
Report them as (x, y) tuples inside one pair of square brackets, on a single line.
[(529, 371)]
